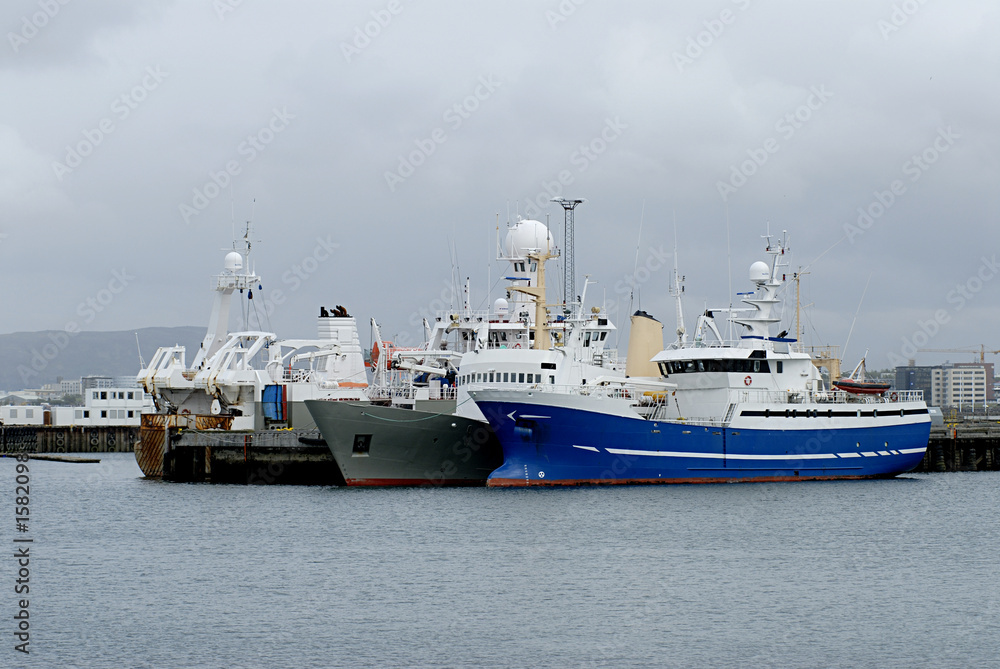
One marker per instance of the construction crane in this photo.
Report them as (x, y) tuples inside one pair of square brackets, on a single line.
[(982, 351)]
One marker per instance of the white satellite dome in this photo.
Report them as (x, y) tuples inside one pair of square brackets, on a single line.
[(527, 236), (234, 261), (501, 307), (760, 272)]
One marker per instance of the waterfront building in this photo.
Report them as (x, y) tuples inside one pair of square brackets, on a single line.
[(953, 385)]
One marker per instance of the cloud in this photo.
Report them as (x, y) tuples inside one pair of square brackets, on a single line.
[(559, 82)]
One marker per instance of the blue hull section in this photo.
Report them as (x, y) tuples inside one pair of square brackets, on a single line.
[(571, 446)]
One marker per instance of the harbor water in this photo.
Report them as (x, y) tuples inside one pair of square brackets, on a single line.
[(133, 572)]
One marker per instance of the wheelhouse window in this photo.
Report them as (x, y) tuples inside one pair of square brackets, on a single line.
[(737, 366)]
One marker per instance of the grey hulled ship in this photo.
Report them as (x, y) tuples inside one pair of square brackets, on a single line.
[(420, 426)]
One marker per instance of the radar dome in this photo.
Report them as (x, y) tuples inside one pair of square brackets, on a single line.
[(501, 307), (234, 261), (527, 236), (759, 272)]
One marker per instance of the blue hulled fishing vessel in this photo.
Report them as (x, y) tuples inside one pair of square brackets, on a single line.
[(755, 409)]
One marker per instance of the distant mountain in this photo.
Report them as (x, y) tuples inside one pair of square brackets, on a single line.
[(31, 359)]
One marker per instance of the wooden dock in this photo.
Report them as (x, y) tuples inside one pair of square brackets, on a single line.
[(291, 457), (50, 439), (963, 447), (302, 457)]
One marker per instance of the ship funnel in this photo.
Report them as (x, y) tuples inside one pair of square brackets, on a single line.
[(644, 341)]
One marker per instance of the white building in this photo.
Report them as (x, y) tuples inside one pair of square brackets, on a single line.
[(70, 387), (126, 381), (102, 407), (90, 382), (22, 415), (959, 386)]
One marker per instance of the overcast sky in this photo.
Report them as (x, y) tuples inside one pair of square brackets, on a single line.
[(133, 134)]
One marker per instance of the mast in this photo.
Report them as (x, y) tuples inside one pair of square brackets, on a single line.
[(226, 284), (537, 291), (677, 290), (798, 305), (764, 298), (569, 251)]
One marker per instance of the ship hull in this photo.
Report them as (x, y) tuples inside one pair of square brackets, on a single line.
[(546, 444), (389, 446)]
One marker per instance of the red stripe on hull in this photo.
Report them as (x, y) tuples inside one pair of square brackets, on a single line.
[(521, 483), (374, 483)]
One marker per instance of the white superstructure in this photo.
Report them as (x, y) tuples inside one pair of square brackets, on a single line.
[(252, 376), (515, 344), (523, 346)]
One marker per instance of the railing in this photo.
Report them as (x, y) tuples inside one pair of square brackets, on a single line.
[(295, 375), (645, 394), (825, 397), (398, 393)]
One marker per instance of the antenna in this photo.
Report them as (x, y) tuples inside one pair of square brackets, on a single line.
[(797, 276), (677, 290), (142, 363), (232, 210), (569, 248), (635, 263), (729, 262)]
